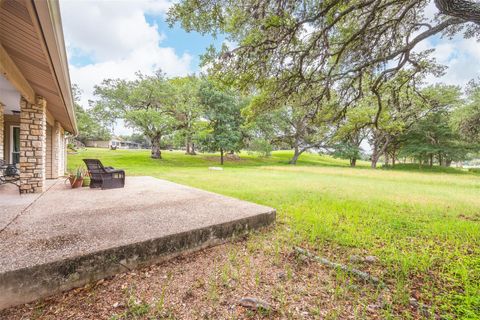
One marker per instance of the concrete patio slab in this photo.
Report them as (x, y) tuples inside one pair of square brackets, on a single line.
[(12, 203), (66, 237)]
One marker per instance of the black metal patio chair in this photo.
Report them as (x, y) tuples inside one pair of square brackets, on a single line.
[(9, 174), (104, 177)]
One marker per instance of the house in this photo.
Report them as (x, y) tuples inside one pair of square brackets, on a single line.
[(113, 143), (120, 143), (97, 143), (36, 106)]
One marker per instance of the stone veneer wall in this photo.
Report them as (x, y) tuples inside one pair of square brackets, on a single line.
[(2, 129), (33, 126)]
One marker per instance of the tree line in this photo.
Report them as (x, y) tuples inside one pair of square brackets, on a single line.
[(332, 76), (429, 124), (184, 111)]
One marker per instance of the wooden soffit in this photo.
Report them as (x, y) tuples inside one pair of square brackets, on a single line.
[(31, 39)]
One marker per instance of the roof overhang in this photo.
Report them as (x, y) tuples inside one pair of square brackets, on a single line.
[(31, 37)]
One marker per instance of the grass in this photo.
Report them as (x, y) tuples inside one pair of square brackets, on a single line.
[(423, 225)]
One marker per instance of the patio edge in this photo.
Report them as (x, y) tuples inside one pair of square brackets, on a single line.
[(40, 281)]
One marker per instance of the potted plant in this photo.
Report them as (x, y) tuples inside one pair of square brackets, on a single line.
[(76, 179), (86, 180)]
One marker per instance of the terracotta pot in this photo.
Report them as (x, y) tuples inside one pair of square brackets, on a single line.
[(75, 182)]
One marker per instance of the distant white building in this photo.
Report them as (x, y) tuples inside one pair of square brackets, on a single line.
[(474, 163), (113, 143)]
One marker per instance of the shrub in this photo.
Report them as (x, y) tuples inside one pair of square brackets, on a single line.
[(261, 146), (71, 146)]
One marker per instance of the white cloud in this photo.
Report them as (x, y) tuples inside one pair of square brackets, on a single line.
[(112, 39), (145, 59), (430, 10), (461, 56), (108, 29)]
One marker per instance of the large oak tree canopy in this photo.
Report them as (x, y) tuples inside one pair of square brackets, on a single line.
[(287, 47)]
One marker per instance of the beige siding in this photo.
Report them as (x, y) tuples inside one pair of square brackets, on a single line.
[(61, 155), (58, 150), (48, 158)]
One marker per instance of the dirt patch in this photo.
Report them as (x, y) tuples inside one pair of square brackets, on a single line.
[(475, 217), (227, 157), (208, 285)]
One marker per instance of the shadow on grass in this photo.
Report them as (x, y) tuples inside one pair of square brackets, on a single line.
[(136, 158), (140, 159), (412, 167)]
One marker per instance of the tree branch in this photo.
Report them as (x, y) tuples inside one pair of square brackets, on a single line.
[(463, 9)]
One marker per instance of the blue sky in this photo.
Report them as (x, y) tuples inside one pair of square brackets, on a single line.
[(116, 38), (191, 43)]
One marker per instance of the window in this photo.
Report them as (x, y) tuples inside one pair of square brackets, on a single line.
[(15, 144)]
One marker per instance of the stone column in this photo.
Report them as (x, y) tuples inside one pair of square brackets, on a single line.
[(33, 131), (2, 130)]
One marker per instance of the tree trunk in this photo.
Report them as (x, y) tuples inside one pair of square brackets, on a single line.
[(431, 160), (192, 149), (448, 162), (187, 146), (296, 152), (221, 156), (296, 155), (387, 158), (377, 150), (156, 153), (353, 162), (374, 157), (468, 10)]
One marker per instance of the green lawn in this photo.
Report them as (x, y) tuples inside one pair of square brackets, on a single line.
[(424, 226)]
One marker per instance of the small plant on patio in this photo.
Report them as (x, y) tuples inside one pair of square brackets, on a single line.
[(86, 179), (76, 178)]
